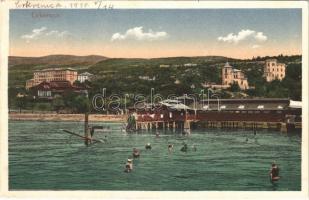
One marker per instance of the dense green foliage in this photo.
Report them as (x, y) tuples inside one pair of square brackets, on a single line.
[(127, 77), (58, 103)]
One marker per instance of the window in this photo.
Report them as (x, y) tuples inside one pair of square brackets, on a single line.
[(260, 107)]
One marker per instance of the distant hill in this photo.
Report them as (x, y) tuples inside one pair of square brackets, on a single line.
[(129, 63), (55, 60), (66, 60)]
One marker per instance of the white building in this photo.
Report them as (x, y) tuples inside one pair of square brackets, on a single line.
[(274, 70), (190, 65), (147, 78), (84, 76)]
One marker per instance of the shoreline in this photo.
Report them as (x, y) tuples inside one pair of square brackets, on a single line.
[(66, 117)]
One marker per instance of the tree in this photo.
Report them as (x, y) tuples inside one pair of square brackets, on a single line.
[(275, 89), (234, 87), (68, 98), (21, 103), (58, 103), (81, 104), (43, 106), (31, 102)]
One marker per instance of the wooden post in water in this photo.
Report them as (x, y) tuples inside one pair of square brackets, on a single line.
[(86, 128), (283, 127)]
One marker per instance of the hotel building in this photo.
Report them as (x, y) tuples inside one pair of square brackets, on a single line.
[(52, 74)]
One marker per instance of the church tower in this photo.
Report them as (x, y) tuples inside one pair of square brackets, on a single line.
[(227, 74)]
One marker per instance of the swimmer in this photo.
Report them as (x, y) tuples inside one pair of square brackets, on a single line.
[(184, 148), (194, 148), (148, 146), (136, 153), (187, 132), (170, 147), (105, 139), (274, 173), (123, 128), (157, 134), (129, 166)]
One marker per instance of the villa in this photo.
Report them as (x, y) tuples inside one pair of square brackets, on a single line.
[(231, 75), (274, 70)]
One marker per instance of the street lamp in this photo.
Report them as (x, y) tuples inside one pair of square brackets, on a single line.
[(209, 89), (218, 99)]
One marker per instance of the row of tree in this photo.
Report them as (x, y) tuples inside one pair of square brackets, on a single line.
[(70, 102)]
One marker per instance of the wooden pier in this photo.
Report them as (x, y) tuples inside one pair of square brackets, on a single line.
[(182, 125), (273, 114)]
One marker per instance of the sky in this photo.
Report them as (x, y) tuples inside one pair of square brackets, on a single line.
[(151, 33)]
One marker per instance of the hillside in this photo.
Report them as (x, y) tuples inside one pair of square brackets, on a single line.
[(129, 63), (55, 60), (22, 68), (167, 75)]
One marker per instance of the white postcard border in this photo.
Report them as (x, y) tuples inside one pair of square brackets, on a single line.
[(5, 6)]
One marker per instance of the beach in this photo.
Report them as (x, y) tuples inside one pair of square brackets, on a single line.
[(65, 117)]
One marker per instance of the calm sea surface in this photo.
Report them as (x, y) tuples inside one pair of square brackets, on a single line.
[(42, 157)]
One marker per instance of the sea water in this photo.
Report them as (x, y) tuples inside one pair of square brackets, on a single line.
[(43, 157)]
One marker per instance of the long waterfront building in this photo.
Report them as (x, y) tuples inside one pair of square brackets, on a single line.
[(282, 114), (52, 74)]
